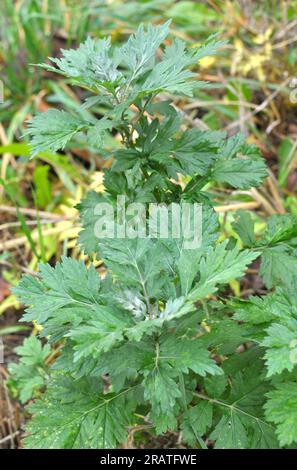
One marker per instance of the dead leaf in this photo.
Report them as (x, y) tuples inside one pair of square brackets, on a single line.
[(4, 289)]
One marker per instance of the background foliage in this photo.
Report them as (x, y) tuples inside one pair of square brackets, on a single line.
[(253, 93)]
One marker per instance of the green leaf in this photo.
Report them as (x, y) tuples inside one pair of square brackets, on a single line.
[(90, 65), (240, 172), (230, 433), (29, 375), (239, 165), (226, 335), (287, 155), (138, 53), (69, 284), (98, 335), (187, 354), (138, 263), (176, 59), (244, 226), (210, 47), (279, 258), (188, 262), (43, 186), (77, 415), (161, 390), (281, 409), (88, 219), (281, 343), (278, 266), (125, 362), (220, 266), (52, 130), (255, 310), (96, 133), (280, 228), (242, 424), (196, 421)]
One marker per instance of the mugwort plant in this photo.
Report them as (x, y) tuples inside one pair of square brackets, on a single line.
[(158, 342)]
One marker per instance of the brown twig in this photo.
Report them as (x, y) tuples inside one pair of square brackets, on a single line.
[(9, 225), (275, 193), (262, 105), (31, 212), (262, 201), (7, 245), (237, 206)]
